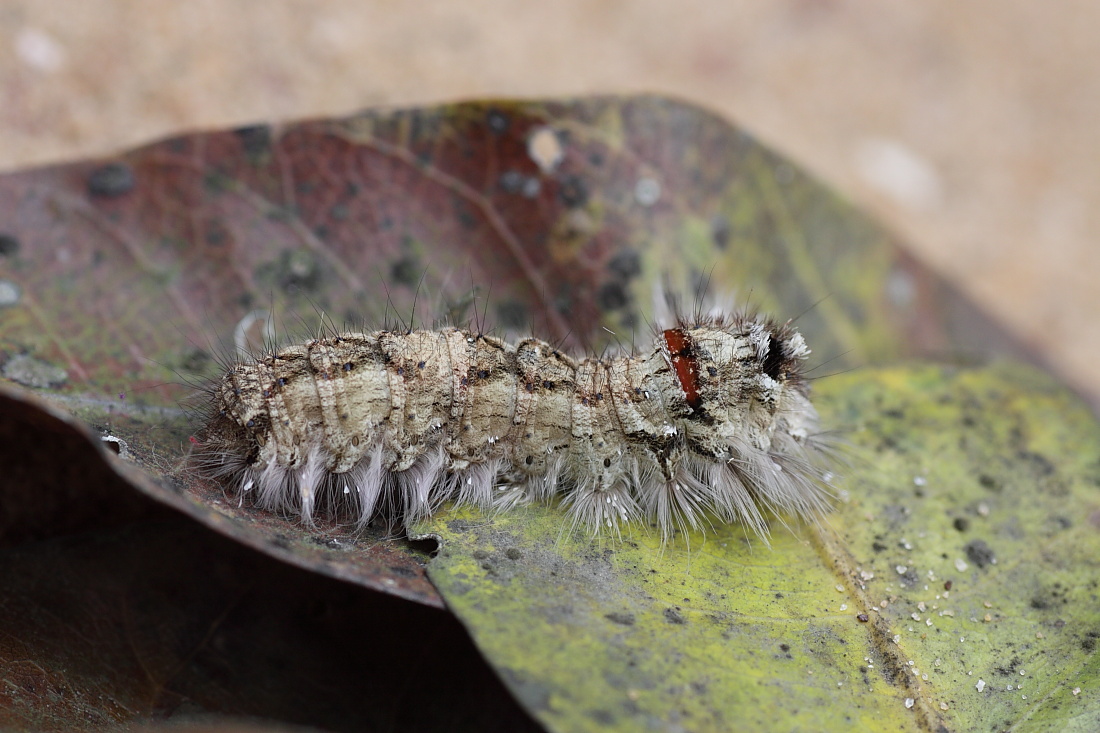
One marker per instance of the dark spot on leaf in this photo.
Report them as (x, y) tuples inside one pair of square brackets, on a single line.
[(961, 523), (406, 271), (863, 618), (255, 140), (216, 182), (111, 180), (947, 585), (464, 213), (9, 245), (980, 553), (216, 233), (989, 482), (511, 181), (626, 263), (513, 553), (909, 578), (573, 192), (1010, 669), (1089, 642), (673, 616), (612, 296), (623, 619), (1042, 464), (498, 121), (292, 271), (720, 231)]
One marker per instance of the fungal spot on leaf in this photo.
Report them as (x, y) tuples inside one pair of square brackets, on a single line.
[(10, 293), (626, 264), (111, 180), (256, 142), (511, 181), (293, 270), (464, 212), (545, 148), (612, 296), (573, 192), (673, 616), (647, 191), (216, 182), (9, 245), (216, 234), (497, 121), (623, 619), (720, 231), (406, 270), (989, 482), (980, 553)]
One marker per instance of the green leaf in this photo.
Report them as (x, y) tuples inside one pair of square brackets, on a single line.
[(964, 554)]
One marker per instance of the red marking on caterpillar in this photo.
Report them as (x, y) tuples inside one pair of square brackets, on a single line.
[(683, 360), (711, 422)]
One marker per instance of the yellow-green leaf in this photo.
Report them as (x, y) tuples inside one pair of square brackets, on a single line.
[(955, 587)]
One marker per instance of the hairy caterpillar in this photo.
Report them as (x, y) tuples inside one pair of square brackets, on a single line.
[(712, 421)]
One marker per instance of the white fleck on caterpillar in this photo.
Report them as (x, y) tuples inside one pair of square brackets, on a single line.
[(713, 421)]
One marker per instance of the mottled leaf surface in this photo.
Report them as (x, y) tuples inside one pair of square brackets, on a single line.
[(956, 587), (125, 282)]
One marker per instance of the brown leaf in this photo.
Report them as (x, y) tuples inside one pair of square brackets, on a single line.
[(123, 281)]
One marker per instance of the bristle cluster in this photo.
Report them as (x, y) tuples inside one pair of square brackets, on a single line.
[(712, 423)]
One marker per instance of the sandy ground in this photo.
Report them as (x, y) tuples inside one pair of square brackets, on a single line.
[(971, 128)]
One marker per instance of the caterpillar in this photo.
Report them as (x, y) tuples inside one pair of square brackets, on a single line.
[(712, 422)]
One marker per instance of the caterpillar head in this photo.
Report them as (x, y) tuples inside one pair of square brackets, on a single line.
[(742, 380)]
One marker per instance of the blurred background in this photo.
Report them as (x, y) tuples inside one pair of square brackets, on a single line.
[(972, 129)]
